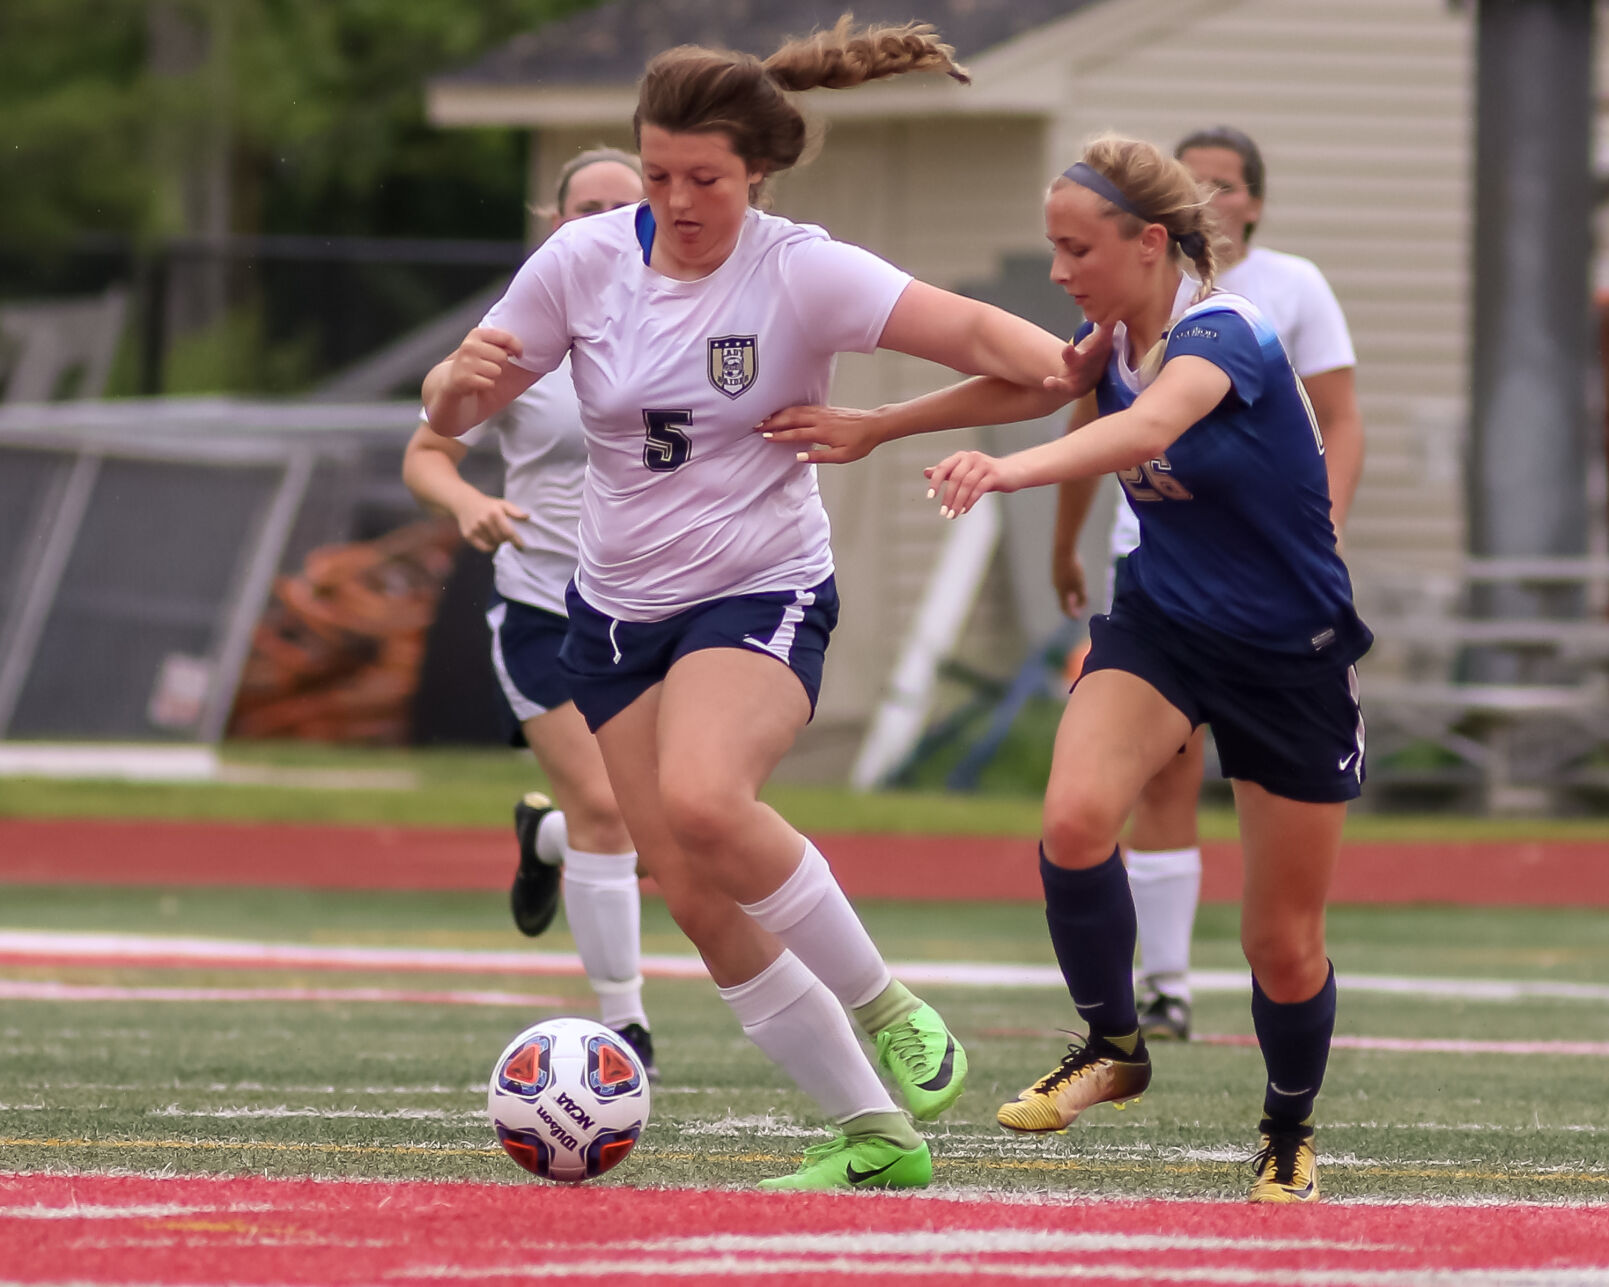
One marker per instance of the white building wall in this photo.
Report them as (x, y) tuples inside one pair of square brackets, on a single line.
[(1364, 113)]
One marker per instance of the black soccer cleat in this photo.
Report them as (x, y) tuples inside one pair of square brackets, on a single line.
[(1164, 1017), (534, 895), (638, 1038)]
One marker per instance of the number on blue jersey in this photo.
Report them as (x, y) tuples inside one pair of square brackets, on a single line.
[(1153, 481)]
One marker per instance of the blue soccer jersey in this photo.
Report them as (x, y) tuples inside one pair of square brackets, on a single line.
[(1236, 538)]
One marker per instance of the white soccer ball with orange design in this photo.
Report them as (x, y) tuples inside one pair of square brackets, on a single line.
[(568, 1099)]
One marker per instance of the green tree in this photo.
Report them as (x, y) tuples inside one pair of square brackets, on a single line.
[(149, 119), (306, 115)]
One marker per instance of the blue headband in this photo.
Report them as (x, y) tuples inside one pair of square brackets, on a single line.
[(1087, 176)]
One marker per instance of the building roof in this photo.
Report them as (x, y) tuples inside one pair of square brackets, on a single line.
[(609, 45)]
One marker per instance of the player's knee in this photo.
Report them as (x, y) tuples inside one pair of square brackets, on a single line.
[(700, 814), (1289, 963), (1080, 829)]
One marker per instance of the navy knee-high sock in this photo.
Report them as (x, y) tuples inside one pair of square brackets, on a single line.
[(1296, 1047), (1091, 917)]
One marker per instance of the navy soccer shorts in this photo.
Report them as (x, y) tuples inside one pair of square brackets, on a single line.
[(1297, 737), (525, 656), (610, 663)]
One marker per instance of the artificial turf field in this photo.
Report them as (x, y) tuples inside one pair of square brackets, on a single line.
[(180, 1103)]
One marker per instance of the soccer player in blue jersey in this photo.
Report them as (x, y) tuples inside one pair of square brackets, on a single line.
[(1236, 612), (1162, 847)]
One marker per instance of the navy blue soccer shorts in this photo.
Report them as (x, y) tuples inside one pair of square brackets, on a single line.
[(525, 656), (1299, 739), (611, 663)]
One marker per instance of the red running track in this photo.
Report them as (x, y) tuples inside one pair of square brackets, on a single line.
[(117, 1230), (1556, 873)]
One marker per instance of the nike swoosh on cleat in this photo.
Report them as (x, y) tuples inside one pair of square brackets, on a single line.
[(941, 1079), (860, 1177)]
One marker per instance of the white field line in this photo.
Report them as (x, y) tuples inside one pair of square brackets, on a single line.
[(746, 1269), (1439, 1045), (37, 947), (12, 990), (132, 1211)]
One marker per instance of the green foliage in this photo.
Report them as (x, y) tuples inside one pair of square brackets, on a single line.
[(233, 353), (113, 109)]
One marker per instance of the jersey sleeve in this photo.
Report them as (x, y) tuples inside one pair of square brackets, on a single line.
[(1320, 340), (843, 293), (468, 438), (476, 434), (1229, 342), (533, 308)]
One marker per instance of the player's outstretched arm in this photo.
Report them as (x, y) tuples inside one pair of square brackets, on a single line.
[(430, 471), (478, 380), (968, 335), (1186, 390)]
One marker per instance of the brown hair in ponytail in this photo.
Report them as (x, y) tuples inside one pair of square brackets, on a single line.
[(690, 89)]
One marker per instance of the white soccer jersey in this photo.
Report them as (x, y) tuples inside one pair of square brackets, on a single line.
[(1292, 294), (545, 460), (683, 501)]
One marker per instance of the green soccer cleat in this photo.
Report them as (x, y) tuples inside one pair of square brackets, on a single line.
[(926, 1062), (1286, 1165), (857, 1162), (1092, 1073)]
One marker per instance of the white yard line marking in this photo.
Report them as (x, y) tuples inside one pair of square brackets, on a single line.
[(12, 990), (32, 947), (134, 1211), (749, 1270), (323, 1114), (1437, 1045)]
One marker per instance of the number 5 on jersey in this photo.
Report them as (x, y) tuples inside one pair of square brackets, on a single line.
[(666, 446)]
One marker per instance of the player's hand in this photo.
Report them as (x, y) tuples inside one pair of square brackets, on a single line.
[(1084, 363), (823, 435), (1067, 575), (480, 359), (958, 480), (488, 522)]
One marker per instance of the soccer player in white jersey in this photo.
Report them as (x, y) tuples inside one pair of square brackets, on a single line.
[(1235, 611), (1163, 849), (532, 529), (704, 595)]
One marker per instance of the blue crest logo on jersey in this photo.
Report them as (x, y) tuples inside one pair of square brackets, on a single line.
[(734, 362)]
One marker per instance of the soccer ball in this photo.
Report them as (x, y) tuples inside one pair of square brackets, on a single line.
[(568, 1099)]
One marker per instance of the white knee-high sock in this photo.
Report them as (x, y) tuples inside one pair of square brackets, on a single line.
[(789, 1014), (813, 918), (604, 910), (1167, 886)]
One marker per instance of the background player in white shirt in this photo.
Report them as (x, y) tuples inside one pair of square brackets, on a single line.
[(532, 528), (703, 599), (1163, 847)]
